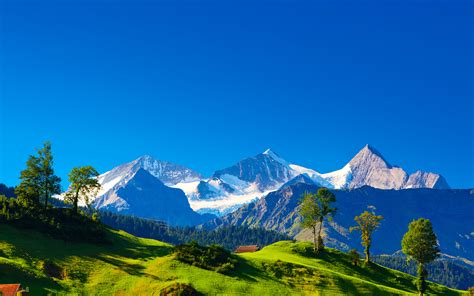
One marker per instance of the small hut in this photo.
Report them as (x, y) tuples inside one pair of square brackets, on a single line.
[(247, 249), (13, 290)]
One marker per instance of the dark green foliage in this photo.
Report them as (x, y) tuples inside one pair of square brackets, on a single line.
[(57, 222), (229, 237), (179, 289), (441, 271), (213, 257), (303, 250), (420, 243), (278, 268), (38, 181), (51, 269), (355, 257), (7, 191)]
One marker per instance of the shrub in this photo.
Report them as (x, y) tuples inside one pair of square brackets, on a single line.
[(281, 269), (471, 291), (51, 269), (213, 257), (354, 256), (178, 289), (304, 250)]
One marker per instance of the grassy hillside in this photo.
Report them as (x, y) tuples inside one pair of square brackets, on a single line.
[(136, 266)]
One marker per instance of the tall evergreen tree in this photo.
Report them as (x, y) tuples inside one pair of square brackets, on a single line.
[(367, 224), (84, 185), (38, 181), (28, 191), (49, 182), (313, 209), (420, 243)]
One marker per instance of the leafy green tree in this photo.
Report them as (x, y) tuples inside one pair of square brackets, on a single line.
[(420, 243), (367, 224), (38, 181), (313, 209), (84, 185)]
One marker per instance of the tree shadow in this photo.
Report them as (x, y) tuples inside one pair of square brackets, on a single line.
[(130, 268), (248, 272), (11, 274)]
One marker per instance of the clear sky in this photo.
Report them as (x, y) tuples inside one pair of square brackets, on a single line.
[(205, 84)]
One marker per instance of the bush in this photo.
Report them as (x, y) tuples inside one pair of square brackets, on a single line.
[(213, 257), (281, 269), (178, 289), (303, 250), (354, 256), (51, 269)]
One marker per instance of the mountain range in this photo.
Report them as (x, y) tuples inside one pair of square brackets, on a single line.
[(450, 211), (264, 191), (249, 179)]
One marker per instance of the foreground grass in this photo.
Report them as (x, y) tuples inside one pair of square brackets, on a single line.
[(136, 266)]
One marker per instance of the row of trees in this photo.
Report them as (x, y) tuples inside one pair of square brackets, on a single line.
[(39, 182), (230, 237), (419, 242), (34, 207)]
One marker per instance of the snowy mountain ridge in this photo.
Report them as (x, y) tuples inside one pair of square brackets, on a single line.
[(251, 178)]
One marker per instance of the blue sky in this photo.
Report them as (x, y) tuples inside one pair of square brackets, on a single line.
[(205, 85)]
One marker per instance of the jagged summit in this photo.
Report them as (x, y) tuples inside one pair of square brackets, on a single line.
[(142, 194), (369, 167), (274, 156), (369, 154), (256, 176)]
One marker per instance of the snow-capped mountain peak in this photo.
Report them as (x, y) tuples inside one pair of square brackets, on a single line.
[(369, 156), (256, 176), (275, 156)]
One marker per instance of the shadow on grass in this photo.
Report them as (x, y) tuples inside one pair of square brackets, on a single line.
[(130, 268), (11, 274), (375, 273), (248, 272)]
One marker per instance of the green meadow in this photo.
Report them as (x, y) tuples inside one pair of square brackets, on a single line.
[(135, 266)]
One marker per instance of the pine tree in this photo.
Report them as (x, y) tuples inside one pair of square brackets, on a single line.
[(49, 182), (38, 181)]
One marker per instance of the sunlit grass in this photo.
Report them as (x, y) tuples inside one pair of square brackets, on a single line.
[(136, 266)]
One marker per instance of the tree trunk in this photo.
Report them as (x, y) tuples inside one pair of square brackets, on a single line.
[(422, 285), (367, 254), (320, 240), (46, 200), (315, 239), (76, 200)]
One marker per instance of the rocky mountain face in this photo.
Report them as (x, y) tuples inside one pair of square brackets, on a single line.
[(256, 176), (421, 179), (253, 175), (265, 170), (142, 194), (250, 179), (167, 172), (449, 210), (369, 168)]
